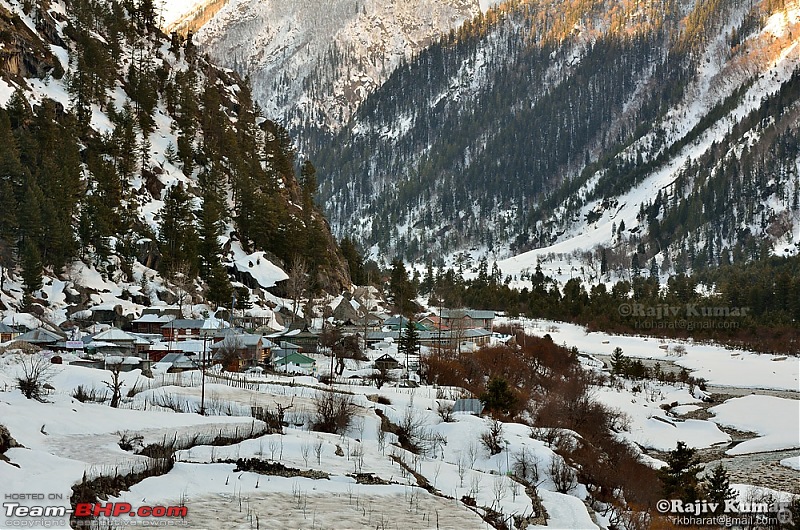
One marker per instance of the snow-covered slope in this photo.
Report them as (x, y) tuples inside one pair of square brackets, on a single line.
[(774, 58), (313, 62), (121, 258), (524, 134)]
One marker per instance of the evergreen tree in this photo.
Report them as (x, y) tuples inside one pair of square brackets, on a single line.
[(619, 363), (409, 341), (679, 478), (653, 268), (401, 288), (177, 235), (718, 487), (219, 286), (31, 267), (355, 262), (499, 396)]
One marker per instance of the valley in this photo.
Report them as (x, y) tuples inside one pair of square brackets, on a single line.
[(380, 264)]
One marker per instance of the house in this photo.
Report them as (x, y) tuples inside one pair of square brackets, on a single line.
[(467, 319), (303, 336), (7, 333), (125, 342), (176, 362), (127, 364), (238, 351), (468, 406), (151, 323), (478, 336), (346, 310), (42, 337), (432, 322), (296, 363), (386, 362), (283, 349), (182, 329), (396, 323)]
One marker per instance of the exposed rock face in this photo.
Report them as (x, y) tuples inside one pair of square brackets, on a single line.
[(6, 440), (314, 62), (194, 20), (22, 53)]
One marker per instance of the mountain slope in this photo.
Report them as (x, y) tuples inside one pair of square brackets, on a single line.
[(311, 63), (539, 125), (136, 171)]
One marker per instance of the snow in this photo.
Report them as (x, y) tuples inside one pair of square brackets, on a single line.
[(566, 511), (652, 428), (716, 364), (775, 419), (793, 462), (486, 4), (69, 438), (22, 319), (258, 266)]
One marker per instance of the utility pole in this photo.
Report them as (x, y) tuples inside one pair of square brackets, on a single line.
[(233, 304), (203, 378)]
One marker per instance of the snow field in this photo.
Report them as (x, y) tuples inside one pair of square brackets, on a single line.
[(716, 364)]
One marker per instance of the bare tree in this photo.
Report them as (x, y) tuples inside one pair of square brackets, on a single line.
[(35, 371), (461, 463), (116, 383), (458, 331), (183, 283), (334, 412), (297, 282), (526, 466), (562, 475), (445, 411), (230, 349), (318, 450), (492, 438)]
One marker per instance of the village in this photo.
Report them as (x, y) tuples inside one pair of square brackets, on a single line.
[(163, 340)]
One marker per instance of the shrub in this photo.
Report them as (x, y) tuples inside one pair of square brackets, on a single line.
[(36, 371), (84, 395), (333, 412), (492, 438), (562, 475)]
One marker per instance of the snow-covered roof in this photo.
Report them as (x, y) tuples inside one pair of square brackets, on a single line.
[(40, 336), (117, 335)]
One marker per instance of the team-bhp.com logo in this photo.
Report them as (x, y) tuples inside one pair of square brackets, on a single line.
[(20, 512), (119, 509)]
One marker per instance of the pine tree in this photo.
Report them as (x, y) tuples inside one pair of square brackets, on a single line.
[(409, 341), (219, 286), (718, 487), (400, 288), (177, 235), (31, 267), (499, 396), (355, 261), (679, 478), (635, 267), (619, 363)]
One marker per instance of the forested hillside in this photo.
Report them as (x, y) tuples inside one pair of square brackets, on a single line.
[(664, 131), (126, 155)]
